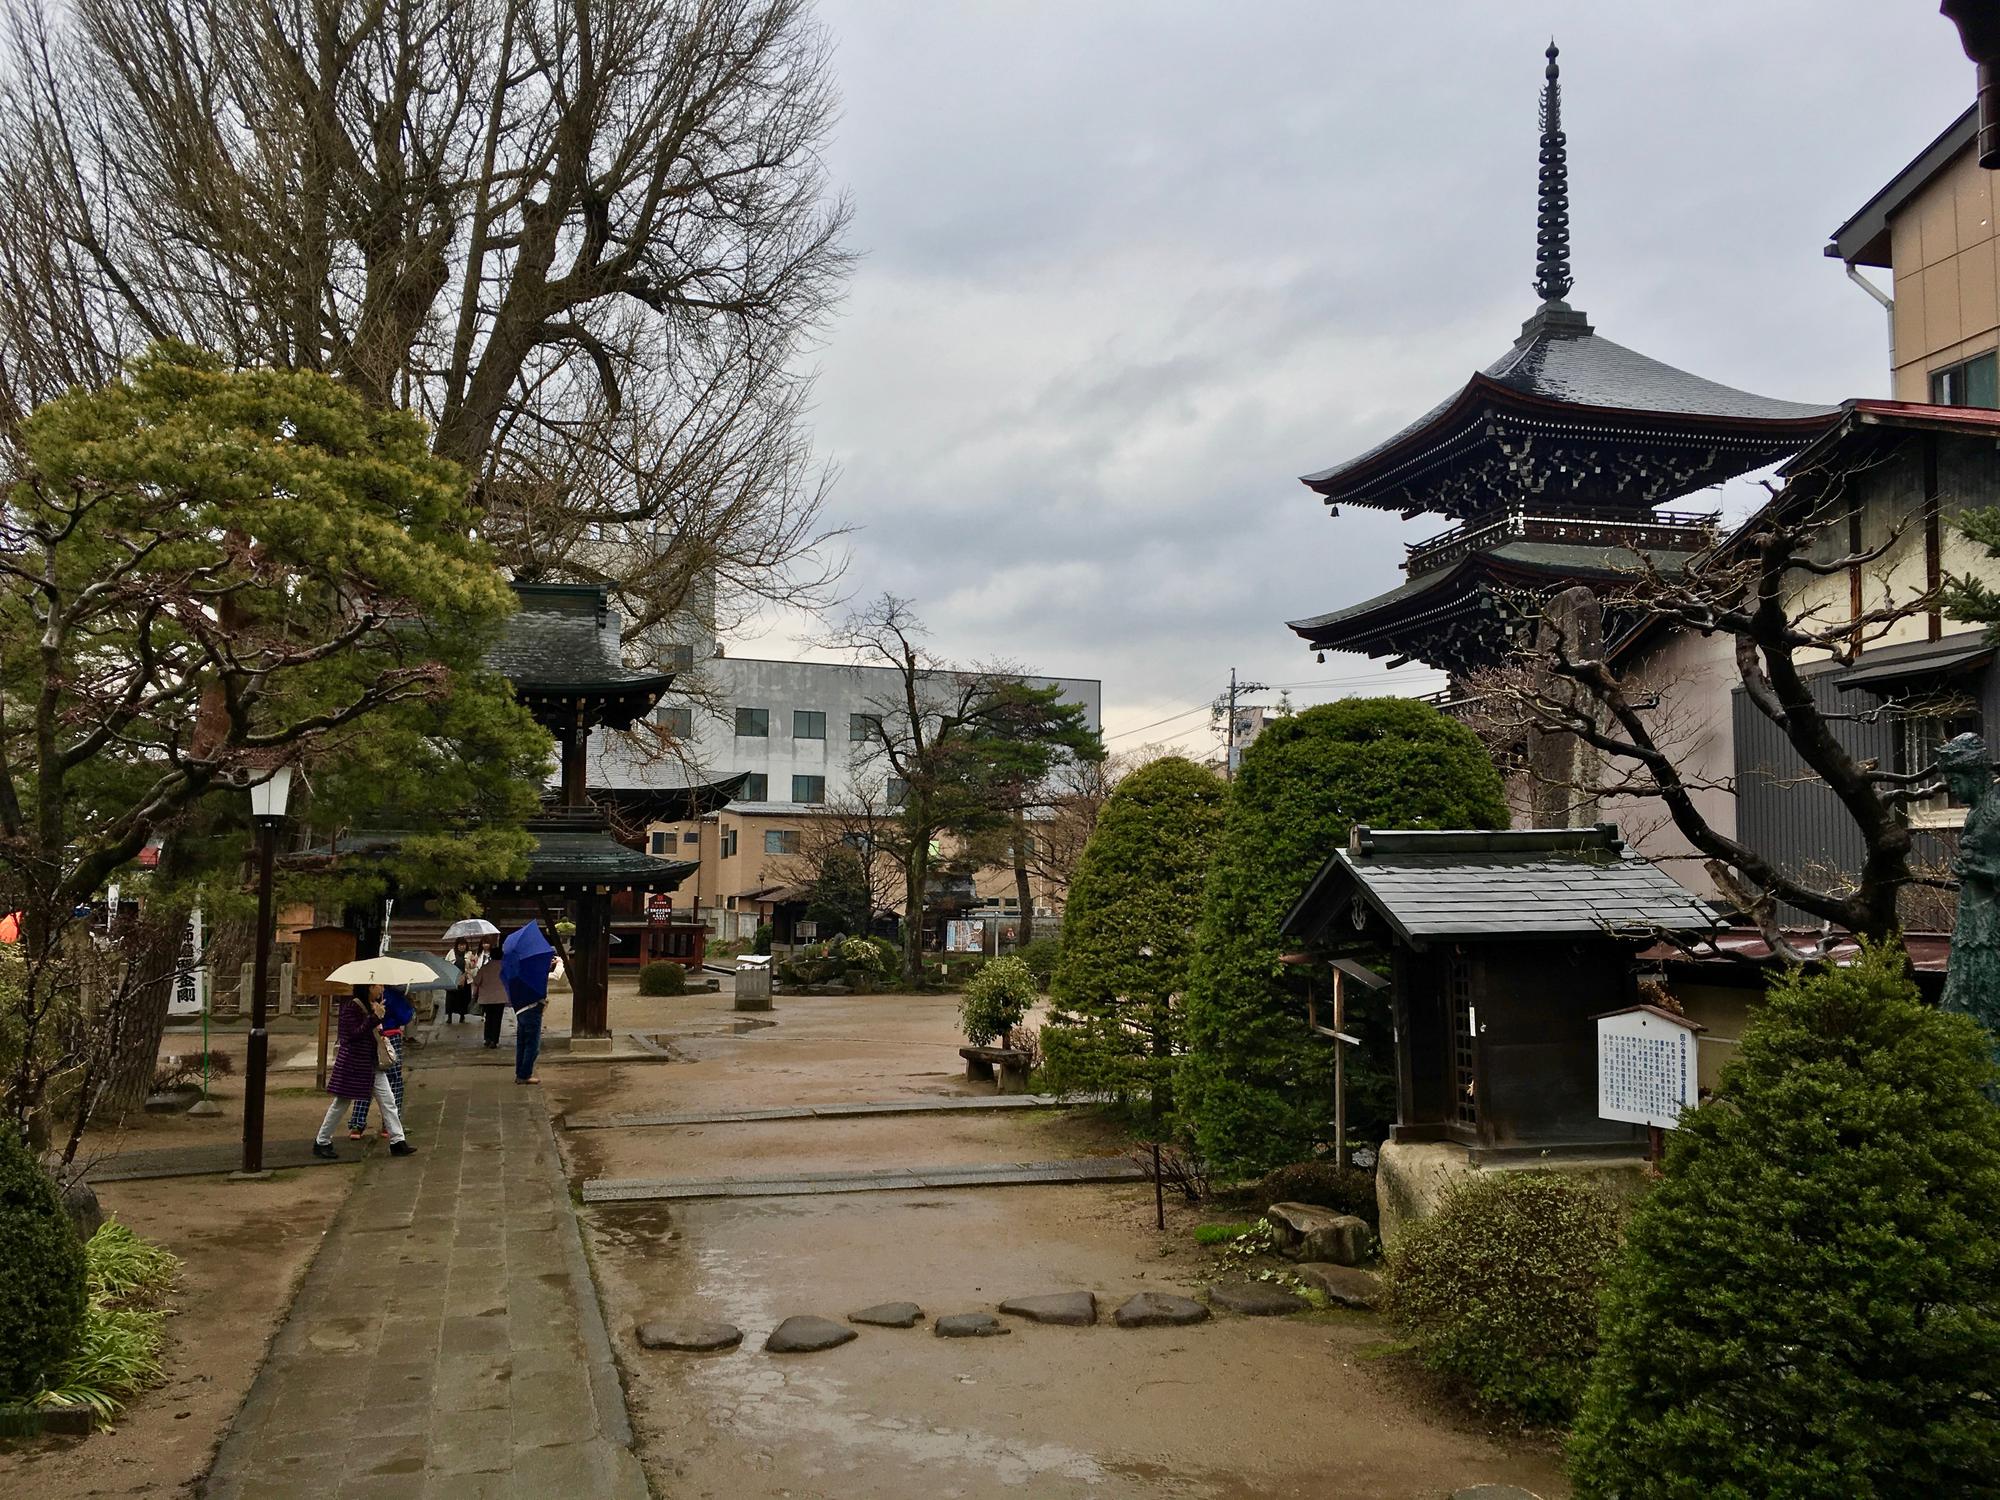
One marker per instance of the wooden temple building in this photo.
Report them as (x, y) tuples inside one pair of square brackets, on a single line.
[(1503, 947), (1550, 463)]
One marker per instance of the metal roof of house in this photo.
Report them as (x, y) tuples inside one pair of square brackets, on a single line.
[(1498, 886), (1864, 239)]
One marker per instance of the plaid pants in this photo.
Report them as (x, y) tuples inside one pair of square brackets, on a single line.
[(358, 1120)]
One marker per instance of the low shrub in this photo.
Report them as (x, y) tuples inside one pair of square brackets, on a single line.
[(1027, 1040), (118, 1354), (1499, 1288), (1220, 1234), (43, 1283), (760, 941), (663, 977), (1041, 957), (1348, 1190), (995, 999)]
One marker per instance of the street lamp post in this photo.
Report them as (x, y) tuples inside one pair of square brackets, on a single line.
[(267, 811)]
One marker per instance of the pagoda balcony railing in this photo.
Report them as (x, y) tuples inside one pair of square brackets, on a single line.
[(1656, 531)]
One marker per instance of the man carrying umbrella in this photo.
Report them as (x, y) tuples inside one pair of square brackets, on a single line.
[(524, 969)]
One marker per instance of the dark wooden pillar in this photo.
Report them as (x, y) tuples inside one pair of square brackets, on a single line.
[(591, 949), (576, 761)]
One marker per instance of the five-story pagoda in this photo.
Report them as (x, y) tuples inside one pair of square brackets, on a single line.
[(1552, 461)]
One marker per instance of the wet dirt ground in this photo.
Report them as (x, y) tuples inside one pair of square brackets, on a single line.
[(1234, 1409)]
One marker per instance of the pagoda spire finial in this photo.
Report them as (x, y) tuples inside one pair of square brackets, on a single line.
[(1552, 278)]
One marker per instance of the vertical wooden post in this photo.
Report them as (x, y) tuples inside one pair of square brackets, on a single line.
[(1339, 1078)]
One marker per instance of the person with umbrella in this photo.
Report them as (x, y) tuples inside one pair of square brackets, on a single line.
[(524, 971), (464, 936), (489, 993), (355, 1075), (394, 1013)]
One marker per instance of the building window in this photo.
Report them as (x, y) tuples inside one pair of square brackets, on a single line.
[(678, 722), (660, 841), (729, 849), (692, 836), (1923, 723), (863, 727), (896, 792), (678, 657), (781, 841), (1976, 382), (809, 789), (808, 724), (756, 788), (753, 723), (731, 902)]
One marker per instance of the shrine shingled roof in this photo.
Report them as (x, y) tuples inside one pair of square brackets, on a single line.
[(1501, 886), (561, 640)]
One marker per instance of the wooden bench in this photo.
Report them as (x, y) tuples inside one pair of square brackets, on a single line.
[(1003, 1067)]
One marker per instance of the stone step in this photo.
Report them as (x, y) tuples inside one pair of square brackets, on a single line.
[(970, 1102), (815, 1184)]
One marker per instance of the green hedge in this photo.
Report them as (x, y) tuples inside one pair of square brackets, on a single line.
[(1499, 1288), (1809, 1307), (663, 977), (42, 1274)]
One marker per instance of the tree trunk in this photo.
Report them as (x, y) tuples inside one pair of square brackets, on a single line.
[(1022, 890), (132, 1043), (915, 868)]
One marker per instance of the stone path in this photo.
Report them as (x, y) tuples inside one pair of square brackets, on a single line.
[(888, 1179), (447, 1340), (939, 1106)]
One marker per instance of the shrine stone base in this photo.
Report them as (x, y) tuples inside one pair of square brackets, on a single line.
[(1412, 1177), (591, 1043)]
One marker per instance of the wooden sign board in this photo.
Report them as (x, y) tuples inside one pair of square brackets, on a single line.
[(321, 951), (1646, 1070)]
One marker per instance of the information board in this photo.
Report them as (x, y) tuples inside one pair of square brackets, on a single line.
[(1646, 1068)]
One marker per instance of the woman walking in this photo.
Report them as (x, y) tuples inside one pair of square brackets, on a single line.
[(354, 1077), (489, 992), (396, 1014)]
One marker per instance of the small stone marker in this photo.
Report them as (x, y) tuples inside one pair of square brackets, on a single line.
[(974, 1325), (1307, 1231), (1346, 1286), (1159, 1310), (690, 1337), (1255, 1299), (807, 1335), (1070, 1309), (889, 1315)]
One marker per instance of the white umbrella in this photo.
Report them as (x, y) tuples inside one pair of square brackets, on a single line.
[(383, 970), (470, 927)]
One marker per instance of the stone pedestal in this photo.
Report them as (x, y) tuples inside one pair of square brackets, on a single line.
[(600, 1044)]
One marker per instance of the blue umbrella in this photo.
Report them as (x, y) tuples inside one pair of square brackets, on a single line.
[(525, 959)]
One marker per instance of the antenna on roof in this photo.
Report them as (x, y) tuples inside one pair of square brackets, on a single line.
[(1552, 278)]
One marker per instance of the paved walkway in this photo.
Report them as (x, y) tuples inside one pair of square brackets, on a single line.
[(446, 1341), (879, 1180)]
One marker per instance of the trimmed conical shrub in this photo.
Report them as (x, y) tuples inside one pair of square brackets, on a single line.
[(1808, 1307), (42, 1274)]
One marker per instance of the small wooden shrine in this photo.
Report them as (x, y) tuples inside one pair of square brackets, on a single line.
[(1550, 461), (1504, 948)]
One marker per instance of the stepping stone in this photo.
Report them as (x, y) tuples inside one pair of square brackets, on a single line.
[(806, 1335), (969, 1326), (1070, 1309), (691, 1337), (1344, 1286), (1159, 1310), (1494, 1492), (1255, 1299), (889, 1315)]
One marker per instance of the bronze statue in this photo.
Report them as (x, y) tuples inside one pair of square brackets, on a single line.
[(1972, 985)]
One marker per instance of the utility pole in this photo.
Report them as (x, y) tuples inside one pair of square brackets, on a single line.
[(1225, 706)]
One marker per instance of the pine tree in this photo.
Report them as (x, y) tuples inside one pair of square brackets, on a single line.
[(1808, 1307), (1253, 1086), (1117, 996)]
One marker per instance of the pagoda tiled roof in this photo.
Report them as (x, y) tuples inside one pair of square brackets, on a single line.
[(1563, 381), (561, 644), (570, 853)]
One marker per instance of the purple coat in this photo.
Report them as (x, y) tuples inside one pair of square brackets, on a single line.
[(352, 1075)]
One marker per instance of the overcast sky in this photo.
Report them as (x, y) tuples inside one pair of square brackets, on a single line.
[(1128, 269)]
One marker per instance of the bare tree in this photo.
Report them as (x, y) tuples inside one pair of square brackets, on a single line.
[(588, 240), (1761, 596)]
